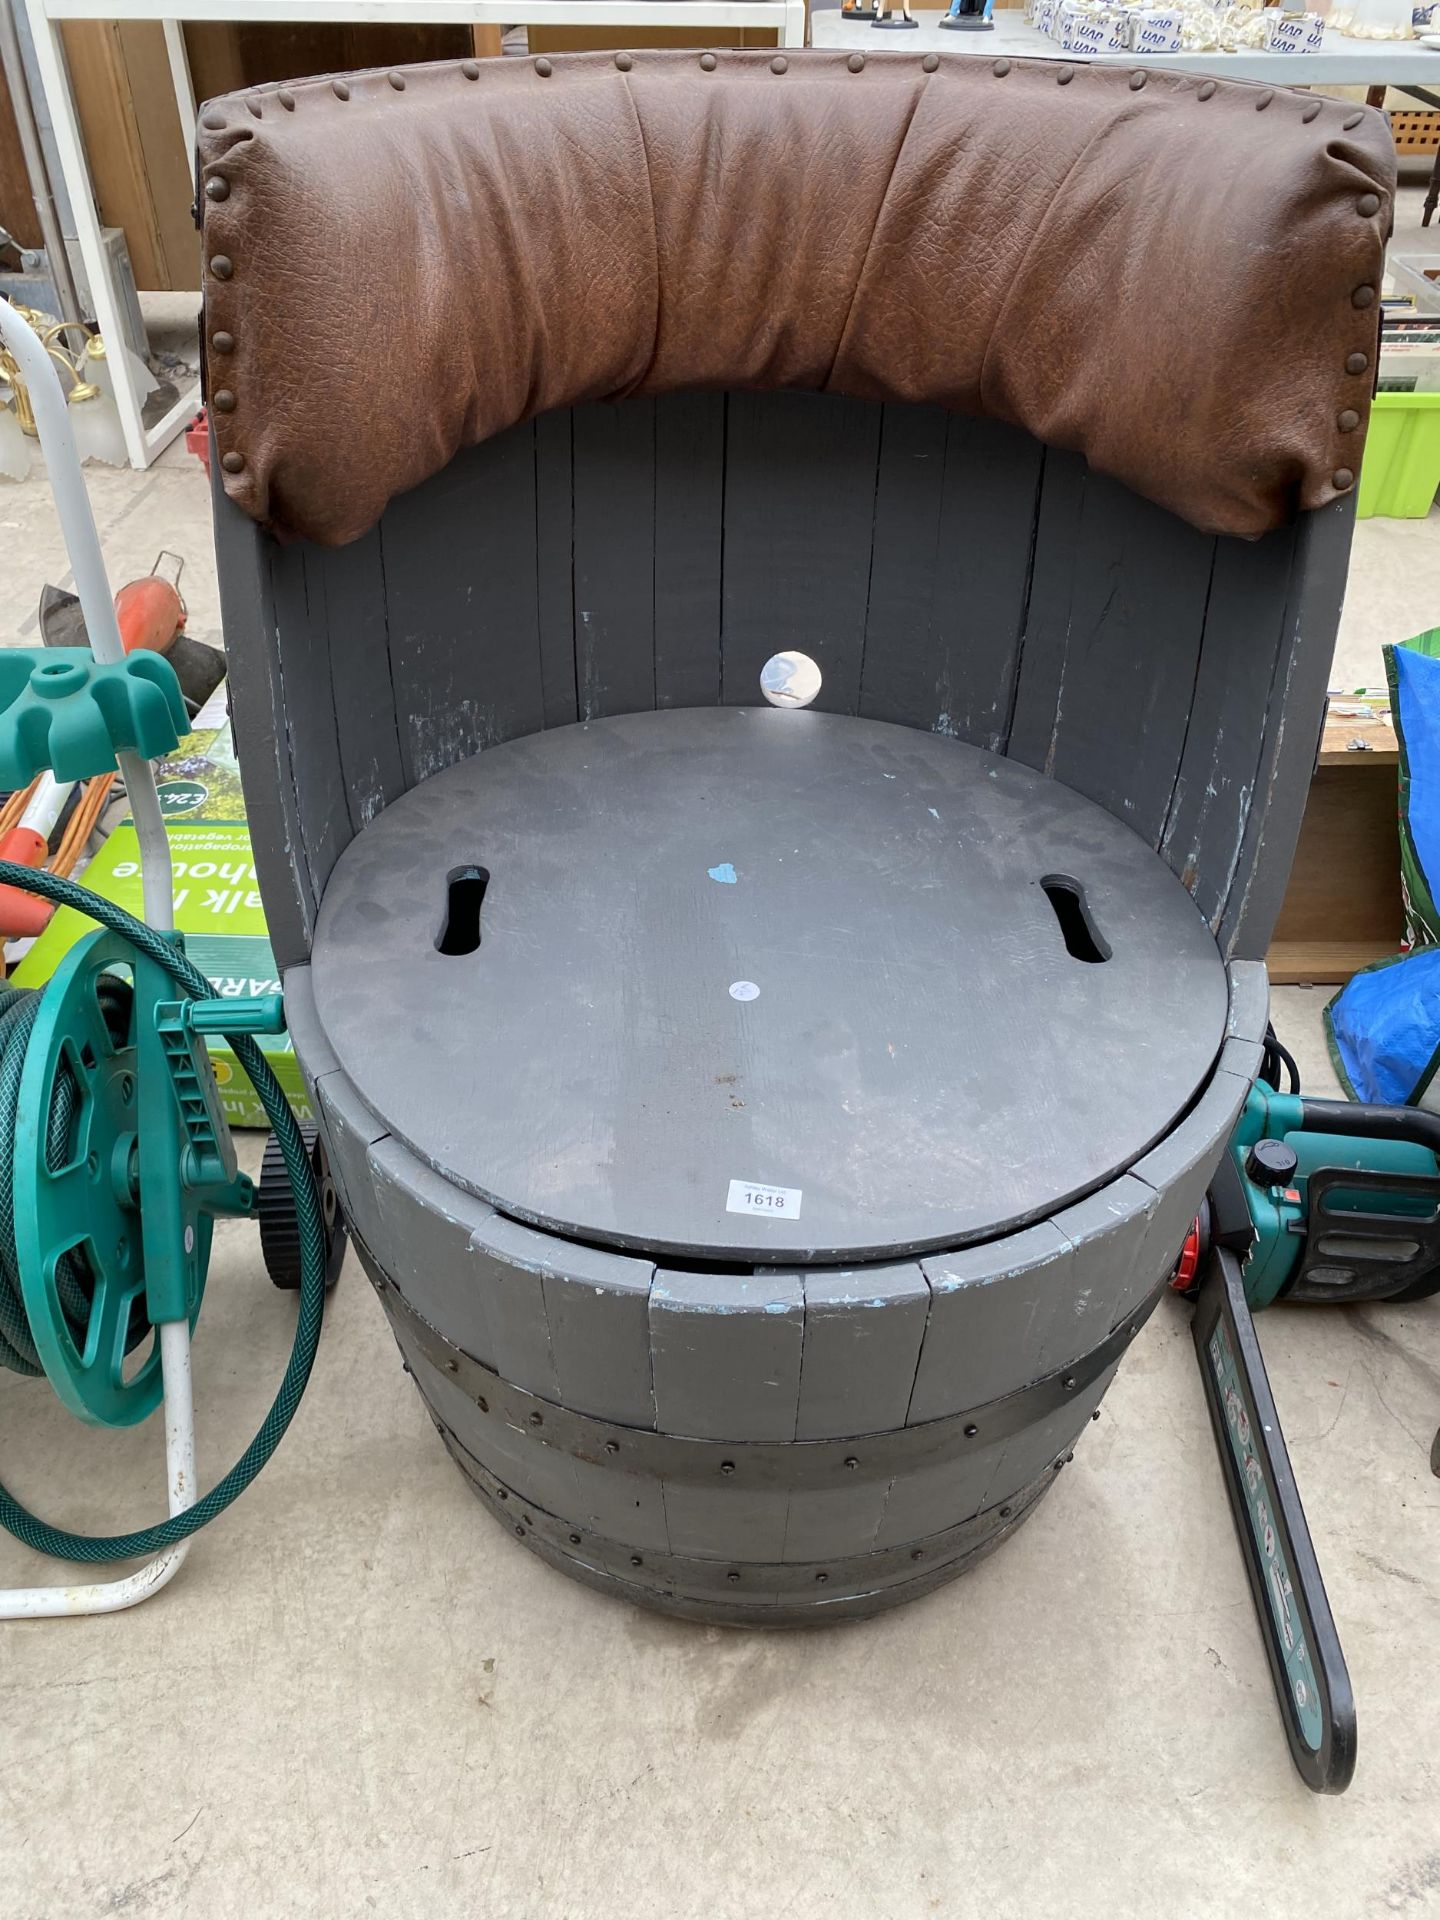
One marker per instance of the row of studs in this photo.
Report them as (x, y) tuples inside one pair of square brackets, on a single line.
[(708, 62), (217, 188)]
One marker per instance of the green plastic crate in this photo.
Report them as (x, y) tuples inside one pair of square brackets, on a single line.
[(1401, 469)]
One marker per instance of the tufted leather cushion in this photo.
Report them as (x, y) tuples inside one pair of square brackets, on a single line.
[(1177, 277)]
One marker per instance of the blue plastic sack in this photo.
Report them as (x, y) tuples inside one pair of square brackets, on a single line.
[(1413, 672), (1384, 1025), (1384, 1031)]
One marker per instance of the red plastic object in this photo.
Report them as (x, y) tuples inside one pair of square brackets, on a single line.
[(150, 613), (197, 439), (1188, 1264), (24, 916)]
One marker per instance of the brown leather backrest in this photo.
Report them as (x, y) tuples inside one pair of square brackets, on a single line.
[(1177, 277)]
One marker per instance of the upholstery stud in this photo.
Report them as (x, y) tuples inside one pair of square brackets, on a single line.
[(233, 462), (213, 122), (1357, 362), (1064, 76), (1348, 420), (1312, 112), (470, 69), (624, 62), (223, 401), (397, 81), (217, 188), (930, 62), (222, 266), (340, 90), (1264, 100), (1137, 80), (1367, 205), (254, 106), (1000, 69), (856, 63), (1343, 479), (544, 69), (1351, 121), (286, 99), (1207, 91), (223, 342), (1363, 297), (779, 64), (708, 62)]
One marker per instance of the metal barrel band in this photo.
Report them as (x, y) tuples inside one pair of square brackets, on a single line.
[(788, 1579), (788, 1465)]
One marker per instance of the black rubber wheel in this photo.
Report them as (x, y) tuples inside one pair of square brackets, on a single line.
[(1419, 1289), (275, 1214)]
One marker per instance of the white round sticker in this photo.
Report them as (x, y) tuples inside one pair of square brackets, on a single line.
[(744, 990)]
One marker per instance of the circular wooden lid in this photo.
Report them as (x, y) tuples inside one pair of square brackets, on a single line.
[(758, 986)]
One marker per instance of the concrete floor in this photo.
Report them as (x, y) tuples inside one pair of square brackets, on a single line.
[(361, 1696)]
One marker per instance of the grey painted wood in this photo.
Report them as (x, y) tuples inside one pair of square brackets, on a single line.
[(554, 584), (597, 1305), (911, 1104), (302, 1018), (1215, 781), (937, 1497), (834, 1523), (427, 1225), (742, 1524), (1040, 1446), (527, 1467), (465, 656), (862, 1342), (303, 627), (689, 548), (1106, 1233), (1112, 641), (351, 583), (1293, 721), (726, 1354), (507, 1262), (910, 551), (984, 1303), (257, 703), (614, 557), (799, 518), (1249, 1000), (1179, 1170), (954, 517), (947, 574), (351, 1129)]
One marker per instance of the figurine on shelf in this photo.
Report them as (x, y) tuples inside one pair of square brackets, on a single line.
[(970, 16), (853, 10), (886, 11)]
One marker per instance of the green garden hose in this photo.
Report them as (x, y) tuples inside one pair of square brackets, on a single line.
[(17, 1017)]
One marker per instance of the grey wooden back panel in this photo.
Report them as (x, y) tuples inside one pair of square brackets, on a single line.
[(946, 573)]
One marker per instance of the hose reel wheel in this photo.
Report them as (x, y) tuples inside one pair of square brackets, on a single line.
[(79, 1234), (278, 1220)]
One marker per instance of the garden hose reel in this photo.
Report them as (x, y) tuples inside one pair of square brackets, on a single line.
[(130, 1224), (115, 1157)]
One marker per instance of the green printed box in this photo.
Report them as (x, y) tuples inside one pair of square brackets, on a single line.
[(217, 905)]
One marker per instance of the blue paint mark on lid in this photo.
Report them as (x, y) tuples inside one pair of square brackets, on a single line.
[(724, 873)]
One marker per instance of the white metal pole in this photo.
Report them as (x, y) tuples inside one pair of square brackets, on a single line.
[(183, 84), (69, 143), (114, 1596)]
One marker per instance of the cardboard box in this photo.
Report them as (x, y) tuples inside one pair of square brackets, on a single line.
[(217, 901)]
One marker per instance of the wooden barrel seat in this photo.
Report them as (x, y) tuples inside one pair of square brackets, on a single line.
[(781, 1094), (765, 1129)]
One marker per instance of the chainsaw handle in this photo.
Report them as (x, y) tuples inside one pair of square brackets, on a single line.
[(1414, 1124)]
